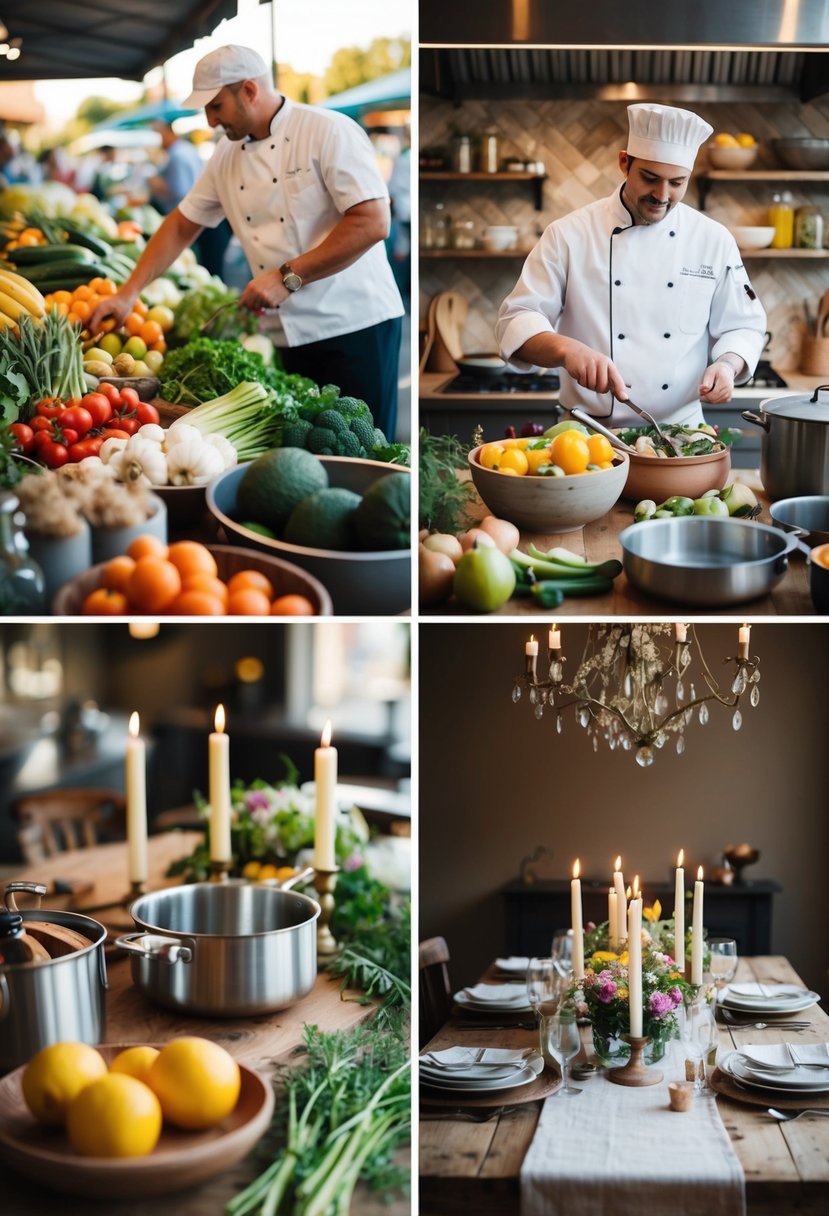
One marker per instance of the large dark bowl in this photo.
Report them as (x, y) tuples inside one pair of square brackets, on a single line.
[(802, 153), (375, 582)]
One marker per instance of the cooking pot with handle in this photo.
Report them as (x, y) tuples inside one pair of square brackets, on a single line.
[(794, 457)]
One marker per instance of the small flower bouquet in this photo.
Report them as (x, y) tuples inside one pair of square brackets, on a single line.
[(657, 934)]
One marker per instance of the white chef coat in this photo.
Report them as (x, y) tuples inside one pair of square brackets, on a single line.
[(282, 195), (662, 300)]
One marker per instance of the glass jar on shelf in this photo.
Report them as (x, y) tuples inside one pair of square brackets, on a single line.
[(781, 219), (435, 227), (809, 228), (463, 234), (462, 154), (489, 151)]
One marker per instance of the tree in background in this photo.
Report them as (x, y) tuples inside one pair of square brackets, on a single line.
[(353, 65)]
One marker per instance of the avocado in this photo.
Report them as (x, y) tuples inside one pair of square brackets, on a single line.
[(323, 520), (273, 484)]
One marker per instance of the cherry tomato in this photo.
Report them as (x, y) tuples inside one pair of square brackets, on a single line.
[(24, 436), (110, 391), (130, 397), (146, 413), (39, 423), (77, 419), (99, 407), (66, 435), (114, 432), (128, 424), (90, 446), (54, 455), (49, 407)]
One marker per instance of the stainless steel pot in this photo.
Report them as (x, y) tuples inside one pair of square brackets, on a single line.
[(808, 515), (61, 998), (224, 949), (707, 562), (794, 457)]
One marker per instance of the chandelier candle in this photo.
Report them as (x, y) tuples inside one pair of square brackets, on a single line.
[(681, 632), (696, 931), (679, 913), (325, 786), (136, 785), (743, 637), (219, 790), (554, 638), (578, 924), (635, 967), (531, 655), (621, 897)]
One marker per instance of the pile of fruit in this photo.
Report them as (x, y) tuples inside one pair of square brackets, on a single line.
[(182, 579), (737, 499), (66, 432), (724, 139), (120, 1110), (67, 256), (140, 344), (562, 451), (17, 297)]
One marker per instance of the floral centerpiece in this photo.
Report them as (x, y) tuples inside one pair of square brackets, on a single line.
[(657, 934)]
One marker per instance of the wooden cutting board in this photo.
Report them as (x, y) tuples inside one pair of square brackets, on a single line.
[(450, 318)]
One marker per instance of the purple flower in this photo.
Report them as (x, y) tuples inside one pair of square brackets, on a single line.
[(675, 995), (660, 1003), (256, 800), (607, 991), (353, 862)]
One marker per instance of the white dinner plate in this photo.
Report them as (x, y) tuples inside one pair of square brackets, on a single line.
[(486, 1084), (770, 1006), (514, 965), (521, 1006), (473, 1075), (735, 1066)]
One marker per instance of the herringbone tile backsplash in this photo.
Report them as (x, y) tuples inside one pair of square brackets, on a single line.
[(579, 141)]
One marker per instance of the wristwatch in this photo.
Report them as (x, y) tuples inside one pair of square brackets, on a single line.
[(290, 279)]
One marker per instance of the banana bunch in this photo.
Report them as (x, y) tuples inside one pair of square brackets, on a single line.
[(18, 296)]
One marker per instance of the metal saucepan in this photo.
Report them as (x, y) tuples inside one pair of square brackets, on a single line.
[(707, 562), (794, 457), (808, 513), (224, 949), (483, 365), (61, 998)]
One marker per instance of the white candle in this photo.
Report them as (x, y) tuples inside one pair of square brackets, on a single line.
[(681, 632), (696, 931), (578, 924), (219, 791), (325, 785), (554, 638), (612, 919), (743, 637), (621, 898), (136, 783), (531, 648), (635, 967), (679, 912)]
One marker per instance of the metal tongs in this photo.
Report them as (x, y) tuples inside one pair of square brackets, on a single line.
[(594, 424), (637, 409)]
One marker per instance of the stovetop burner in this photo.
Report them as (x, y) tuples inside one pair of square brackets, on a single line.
[(507, 382), (765, 377)]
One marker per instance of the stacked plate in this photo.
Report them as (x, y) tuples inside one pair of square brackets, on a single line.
[(494, 998), (783, 1069), (479, 1069), (767, 999), (513, 966)]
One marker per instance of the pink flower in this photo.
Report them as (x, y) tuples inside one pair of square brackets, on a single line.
[(607, 991), (675, 995), (660, 1003)]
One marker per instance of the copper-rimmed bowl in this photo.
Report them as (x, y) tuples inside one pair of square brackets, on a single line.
[(659, 477)]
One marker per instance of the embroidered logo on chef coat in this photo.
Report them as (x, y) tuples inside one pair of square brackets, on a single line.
[(703, 271), (296, 172)]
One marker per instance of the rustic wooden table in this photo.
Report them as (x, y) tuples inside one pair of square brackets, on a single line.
[(259, 1042), (471, 1168)]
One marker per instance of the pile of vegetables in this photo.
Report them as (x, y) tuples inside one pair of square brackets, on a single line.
[(549, 577), (700, 440), (737, 499), (69, 431), (179, 456), (205, 369), (42, 358)]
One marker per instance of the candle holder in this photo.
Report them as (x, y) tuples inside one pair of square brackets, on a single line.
[(137, 887), (324, 881), (636, 1072), (219, 871)]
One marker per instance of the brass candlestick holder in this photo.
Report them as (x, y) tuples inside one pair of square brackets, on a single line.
[(636, 1071), (137, 887), (324, 881), (219, 871)]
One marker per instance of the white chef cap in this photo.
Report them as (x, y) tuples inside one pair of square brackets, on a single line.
[(665, 134)]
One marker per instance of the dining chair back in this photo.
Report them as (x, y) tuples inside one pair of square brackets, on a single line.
[(58, 821), (435, 990)]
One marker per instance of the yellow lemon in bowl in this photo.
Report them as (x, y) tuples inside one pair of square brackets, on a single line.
[(135, 1062), (196, 1081), (115, 1116), (55, 1075), (725, 140)]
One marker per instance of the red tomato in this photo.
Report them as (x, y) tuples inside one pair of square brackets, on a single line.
[(49, 407), (110, 391), (24, 436), (99, 407), (146, 413), (71, 401), (54, 455), (77, 419), (130, 397), (67, 436), (128, 424), (90, 446), (39, 423), (113, 432)]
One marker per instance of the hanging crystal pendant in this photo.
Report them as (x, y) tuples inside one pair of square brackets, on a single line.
[(684, 657), (550, 696), (738, 684), (680, 692), (595, 743), (754, 696), (680, 744), (583, 716), (644, 757), (533, 696), (661, 704), (627, 684), (559, 722), (737, 720), (539, 710), (755, 677), (516, 693), (703, 714), (659, 741), (692, 693), (626, 743)]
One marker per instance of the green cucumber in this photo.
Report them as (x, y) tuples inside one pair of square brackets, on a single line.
[(42, 255), (82, 272), (544, 568), (547, 587), (563, 557), (93, 243)]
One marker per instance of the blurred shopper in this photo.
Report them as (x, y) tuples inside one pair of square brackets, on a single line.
[(56, 166), (179, 171), (301, 190), (107, 176)]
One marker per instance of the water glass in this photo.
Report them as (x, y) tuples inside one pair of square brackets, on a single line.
[(700, 1038), (560, 1040), (562, 952), (724, 960), (543, 983)]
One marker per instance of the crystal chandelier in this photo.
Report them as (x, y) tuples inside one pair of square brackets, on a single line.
[(637, 685)]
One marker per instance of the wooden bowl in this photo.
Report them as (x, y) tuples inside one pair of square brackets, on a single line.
[(146, 386), (658, 477), (286, 578), (180, 1159)]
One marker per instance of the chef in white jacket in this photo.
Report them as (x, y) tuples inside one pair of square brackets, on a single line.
[(638, 295)]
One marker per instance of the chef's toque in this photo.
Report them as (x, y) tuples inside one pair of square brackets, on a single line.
[(666, 134)]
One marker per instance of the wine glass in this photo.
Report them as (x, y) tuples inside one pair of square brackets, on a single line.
[(562, 952), (560, 1039), (700, 1038), (724, 960), (543, 984)]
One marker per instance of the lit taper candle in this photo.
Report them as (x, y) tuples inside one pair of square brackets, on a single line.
[(679, 912), (325, 785), (136, 785), (696, 931), (578, 923), (219, 789)]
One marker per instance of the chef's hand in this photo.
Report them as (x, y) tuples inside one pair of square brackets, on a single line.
[(265, 291), (717, 384), (592, 370), (118, 306)]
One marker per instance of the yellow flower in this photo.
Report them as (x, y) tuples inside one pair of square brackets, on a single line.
[(675, 975), (604, 956), (653, 913), (623, 958), (622, 994)]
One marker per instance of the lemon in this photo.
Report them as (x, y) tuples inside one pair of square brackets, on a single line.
[(56, 1075), (725, 140), (251, 870), (134, 1062), (115, 1116), (746, 141), (197, 1082), (112, 344), (267, 871)]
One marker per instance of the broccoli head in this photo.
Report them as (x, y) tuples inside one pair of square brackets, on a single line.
[(352, 407), (380, 440), (295, 433), (349, 445), (364, 430), (322, 441), (333, 420)]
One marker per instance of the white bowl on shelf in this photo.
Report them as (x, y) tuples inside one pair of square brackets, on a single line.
[(732, 158), (753, 237)]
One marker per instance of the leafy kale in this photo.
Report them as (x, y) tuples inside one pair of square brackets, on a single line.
[(443, 496), (205, 369), (14, 390)]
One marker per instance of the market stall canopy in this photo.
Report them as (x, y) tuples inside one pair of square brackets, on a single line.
[(144, 116), (392, 92), (63, 39)]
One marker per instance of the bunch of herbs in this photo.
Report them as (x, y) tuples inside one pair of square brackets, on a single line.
[(444, 498)]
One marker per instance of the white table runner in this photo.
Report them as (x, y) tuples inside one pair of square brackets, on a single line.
[(618, 1151)]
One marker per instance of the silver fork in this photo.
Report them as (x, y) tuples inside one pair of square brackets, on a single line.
[(786, 1116), (637, 409)]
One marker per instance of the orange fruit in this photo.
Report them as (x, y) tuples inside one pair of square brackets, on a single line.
[(147, 545), (570, 452), (490, 455), (189, 557), (537, 457), (601, 450), (244, 579), (292, 605), (196, 1081), (141, 308), (82, 293), (160, 346), (81, 309), (196, 603), (248, 601), (104, 602), (151, 332), (133, 323), (153, 585), (514, 460), (117, 572), (210, 586)]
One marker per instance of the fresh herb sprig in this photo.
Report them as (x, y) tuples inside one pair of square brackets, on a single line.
[(443, 497)]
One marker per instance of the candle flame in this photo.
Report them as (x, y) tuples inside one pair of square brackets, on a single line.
[(134, 725), (219, 719), (636, 886), (532, 637), (576, 868), (680, 861), (628, 892), (699, 874), (618, 864), (325, 737)]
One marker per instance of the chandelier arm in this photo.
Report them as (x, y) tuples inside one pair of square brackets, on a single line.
[(611, 709), (715, 696)]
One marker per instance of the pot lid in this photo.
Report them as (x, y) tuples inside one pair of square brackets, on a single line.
[(805, 407)]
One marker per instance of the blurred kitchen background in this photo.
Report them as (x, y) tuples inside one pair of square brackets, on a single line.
[(508, 804), (67, 691), (519, 89)]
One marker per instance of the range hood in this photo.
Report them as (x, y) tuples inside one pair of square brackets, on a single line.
[(751, 50)]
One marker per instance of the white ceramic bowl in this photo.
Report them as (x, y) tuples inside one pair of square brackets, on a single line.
[(753, 238), (550, 504), (498, 237), (732, 158)]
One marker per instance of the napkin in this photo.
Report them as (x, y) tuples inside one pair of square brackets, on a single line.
[(462, 1058), (496, 992), (515, 963), (776, 1055), (766, 992)]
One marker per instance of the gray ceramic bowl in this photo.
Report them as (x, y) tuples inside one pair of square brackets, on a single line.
[(360, 583), (809, 512)]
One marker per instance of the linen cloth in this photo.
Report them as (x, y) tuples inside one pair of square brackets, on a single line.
[(619, 1151)]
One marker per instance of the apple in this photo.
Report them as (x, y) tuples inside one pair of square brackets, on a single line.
[(484, 578)]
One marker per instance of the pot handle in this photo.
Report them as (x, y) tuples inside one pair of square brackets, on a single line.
[(14, 888), (750, 417), (5, 1003), (819, 389), (294, 880), (145, 945), (794, 541)]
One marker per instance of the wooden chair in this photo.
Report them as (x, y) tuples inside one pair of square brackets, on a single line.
[(58, 821), (435, 990)]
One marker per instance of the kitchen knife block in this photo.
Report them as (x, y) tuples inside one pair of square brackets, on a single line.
[(814, 357)]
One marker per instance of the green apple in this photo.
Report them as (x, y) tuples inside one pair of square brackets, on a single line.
[(136, 347), (484, 578), (112, 344), (154, 360)]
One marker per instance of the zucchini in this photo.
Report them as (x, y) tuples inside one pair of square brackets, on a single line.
[(79, 237), (41, 255), (82, 272), (547, 568)]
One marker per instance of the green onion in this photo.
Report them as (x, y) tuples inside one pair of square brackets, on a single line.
[(248, 417), (48, 354)]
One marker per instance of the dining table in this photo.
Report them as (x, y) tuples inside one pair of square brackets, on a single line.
[(97, 877), (471, 1157)]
